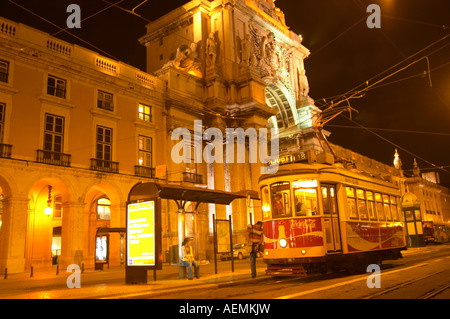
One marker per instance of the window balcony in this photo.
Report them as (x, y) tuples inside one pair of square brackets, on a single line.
[(144, 171), (5, 150), (104, 166), (53, 158), (192, 178)]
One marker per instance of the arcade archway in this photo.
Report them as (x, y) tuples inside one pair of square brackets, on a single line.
[(279, 98)]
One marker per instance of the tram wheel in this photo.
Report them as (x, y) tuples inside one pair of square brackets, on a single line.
[(357, 267), (323, 268)]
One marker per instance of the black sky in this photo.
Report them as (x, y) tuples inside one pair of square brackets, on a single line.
[(344, 54)]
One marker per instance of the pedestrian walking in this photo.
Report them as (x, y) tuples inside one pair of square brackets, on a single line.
[(255, 238)]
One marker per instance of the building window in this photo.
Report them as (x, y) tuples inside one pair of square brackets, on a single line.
[(2, 120), (56, 87), (105, 101), (145, 112), (4, 70), (56, 245), (57, 211), (53, 133), (145, 151), (103, 208), (104, 143)]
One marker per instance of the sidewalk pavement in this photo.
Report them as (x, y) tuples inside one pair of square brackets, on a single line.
[(110, 283), (431, 248)]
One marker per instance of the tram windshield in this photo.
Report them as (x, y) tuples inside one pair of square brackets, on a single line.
[(281, 201), (305, 197), (286, 199)]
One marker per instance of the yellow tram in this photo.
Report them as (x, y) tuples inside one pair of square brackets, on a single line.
[(321, 217)]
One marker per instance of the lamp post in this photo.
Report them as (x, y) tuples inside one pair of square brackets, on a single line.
[(49, 210)]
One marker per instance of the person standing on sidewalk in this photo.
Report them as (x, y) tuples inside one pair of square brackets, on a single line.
[(188, 258), (255, 238)]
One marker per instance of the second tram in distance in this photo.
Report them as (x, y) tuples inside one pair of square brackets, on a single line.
[(321, 217)]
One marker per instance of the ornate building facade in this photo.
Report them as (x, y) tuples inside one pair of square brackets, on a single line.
[(79, 130)]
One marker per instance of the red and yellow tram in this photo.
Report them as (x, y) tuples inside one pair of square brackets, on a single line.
[(320, 217)]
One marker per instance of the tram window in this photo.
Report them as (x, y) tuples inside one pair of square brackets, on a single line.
[(281, 206), (362, 206), (394, 211), (305, 195), (399, 210), (326, 201), (371, 205), (387, 209), (333, 200), (409, 215), (351, 202), (379, 206), (265, 202)]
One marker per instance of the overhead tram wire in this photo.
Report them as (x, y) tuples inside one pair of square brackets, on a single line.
[(63, 30), (361, 93), (396, 145), (89, 17), (442, 27), (337, 37), (324, 102), (391, 130), (128, 11), (86, 42), (343, 96)]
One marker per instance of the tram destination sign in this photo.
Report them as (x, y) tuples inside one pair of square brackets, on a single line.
[(141, 243), (292, 158)]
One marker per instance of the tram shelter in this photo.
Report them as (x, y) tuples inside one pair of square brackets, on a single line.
[(181, 195)]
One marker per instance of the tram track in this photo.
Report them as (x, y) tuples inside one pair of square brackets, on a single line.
[(433, 293), (430, 280), (401, 285)]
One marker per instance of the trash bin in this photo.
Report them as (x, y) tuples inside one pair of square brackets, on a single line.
[(173, 254)]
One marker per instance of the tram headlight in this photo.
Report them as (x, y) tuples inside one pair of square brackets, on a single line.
[(283, 242)]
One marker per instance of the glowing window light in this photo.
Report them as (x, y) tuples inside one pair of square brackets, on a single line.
[(304, 183)]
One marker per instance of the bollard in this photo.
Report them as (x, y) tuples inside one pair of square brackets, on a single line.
[(57, 269), (82, 268), (31, 274), (6, 273)]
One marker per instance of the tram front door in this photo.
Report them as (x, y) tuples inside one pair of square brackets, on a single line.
[(331, 220)]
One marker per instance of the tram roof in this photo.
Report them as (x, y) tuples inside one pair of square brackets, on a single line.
[(319, 169), (144, 191)]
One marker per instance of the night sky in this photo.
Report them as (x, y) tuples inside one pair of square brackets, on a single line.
[(345, 54)]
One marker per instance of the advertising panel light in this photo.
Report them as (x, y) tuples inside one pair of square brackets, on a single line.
[(141, 245), (101, 249)]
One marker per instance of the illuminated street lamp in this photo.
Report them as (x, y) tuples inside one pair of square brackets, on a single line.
[(49, 210)]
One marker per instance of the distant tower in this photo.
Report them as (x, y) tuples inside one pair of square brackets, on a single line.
[(416, 169), (397, 161)]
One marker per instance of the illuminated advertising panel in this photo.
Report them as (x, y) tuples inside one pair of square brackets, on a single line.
[(101, 249), (141, 245)]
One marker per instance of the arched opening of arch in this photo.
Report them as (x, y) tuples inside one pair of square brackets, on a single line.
[(103, 210), (278, 98), (46, 210)]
